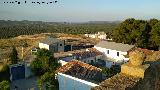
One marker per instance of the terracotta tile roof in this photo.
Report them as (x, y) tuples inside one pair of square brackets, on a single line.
[(117, 82), (67, 67), (87, 54), (82, 52), (81, 70), (63, 54), (151, 55)]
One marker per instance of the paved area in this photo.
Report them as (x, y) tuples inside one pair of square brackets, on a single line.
[(25, 84)]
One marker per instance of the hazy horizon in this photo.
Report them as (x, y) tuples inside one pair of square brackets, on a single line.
[(80, 10)]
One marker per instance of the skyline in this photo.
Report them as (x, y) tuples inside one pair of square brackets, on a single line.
[(80, 10)]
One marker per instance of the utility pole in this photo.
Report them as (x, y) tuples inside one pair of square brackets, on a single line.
[(22, 53)]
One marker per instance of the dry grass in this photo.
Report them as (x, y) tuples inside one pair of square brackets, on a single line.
[(32, 41), (80, 39), (1, 66)]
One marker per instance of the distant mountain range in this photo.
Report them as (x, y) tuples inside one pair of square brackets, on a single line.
[(104, 22), (38, 22)]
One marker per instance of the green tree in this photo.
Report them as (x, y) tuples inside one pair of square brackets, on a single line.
[(36, 67), (4, 73), (137, 32), (153, 21), (109, 72), (10, 29), (155, 35), (45, 62), (4, 85), (48, 81), (14, 56), (45, 66), (43, 53)]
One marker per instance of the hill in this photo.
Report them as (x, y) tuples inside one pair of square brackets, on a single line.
[(9, 29)]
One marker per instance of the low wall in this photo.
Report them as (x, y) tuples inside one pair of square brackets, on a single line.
[(136, 71)]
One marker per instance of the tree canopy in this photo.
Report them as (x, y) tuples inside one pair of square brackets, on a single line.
[(45, 62), (4, 73), (144, 34), (155, 35), (45, 66), (4, 85), (10, 29), (14, 56), (48, 79)]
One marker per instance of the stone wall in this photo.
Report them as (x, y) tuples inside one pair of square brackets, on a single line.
[(137, 74), (151, 80), (135, 67), (135, 71)]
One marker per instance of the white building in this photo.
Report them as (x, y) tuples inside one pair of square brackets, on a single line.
[(52, 44), (100, 35), (114, 53), (76, 75), (90, 56)]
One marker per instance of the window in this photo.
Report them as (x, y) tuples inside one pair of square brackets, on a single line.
[(107, 51), (60, 44), (92, 61), (117, 53)]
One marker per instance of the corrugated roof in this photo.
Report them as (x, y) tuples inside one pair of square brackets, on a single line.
[(115, 46), (50, 41)]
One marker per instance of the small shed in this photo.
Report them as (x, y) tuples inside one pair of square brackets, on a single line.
[(17, 71), (52, 44)]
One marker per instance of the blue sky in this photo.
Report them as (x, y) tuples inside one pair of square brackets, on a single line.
[(80, 10)]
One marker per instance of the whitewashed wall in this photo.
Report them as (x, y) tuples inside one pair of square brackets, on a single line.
[(57, 45), (28, 71), (99, 57), (112, 53), (67, 82), (62, 62), (88, 60), (102, 36), (61, 48), (109, 64), (42, 45), (95, 58)]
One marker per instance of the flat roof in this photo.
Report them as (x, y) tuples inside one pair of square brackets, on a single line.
[(115, 46), (50, 41)]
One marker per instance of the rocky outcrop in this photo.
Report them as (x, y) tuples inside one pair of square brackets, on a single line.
[(134, 67), (151, 80), (135, 71), (118, 82)]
